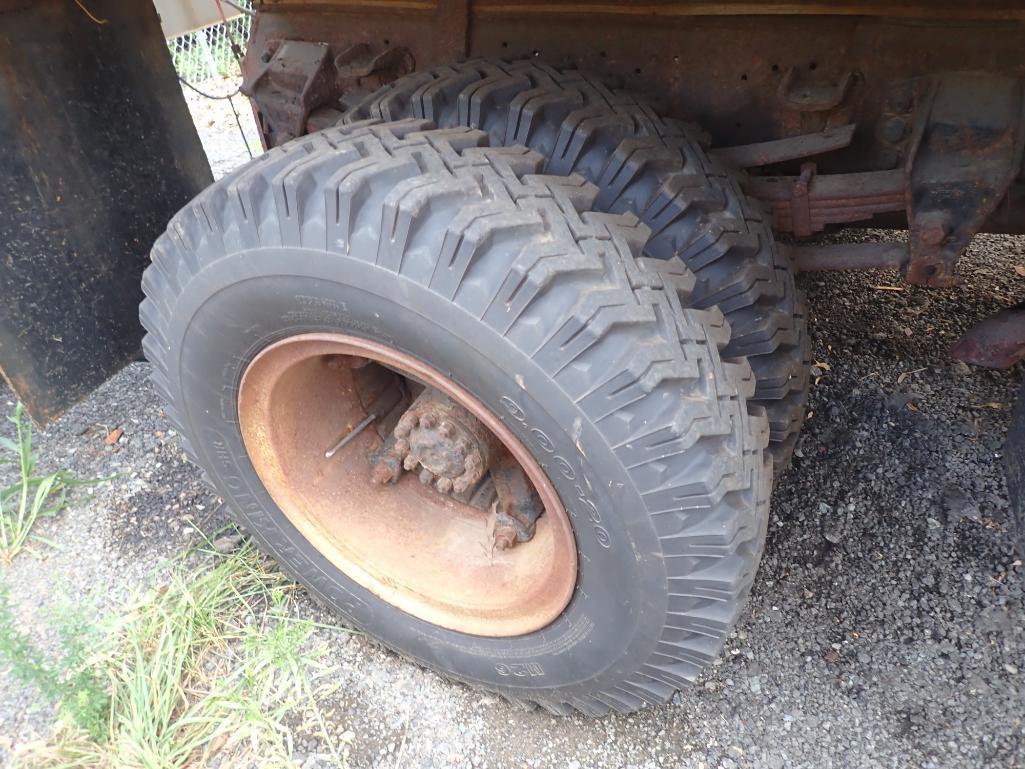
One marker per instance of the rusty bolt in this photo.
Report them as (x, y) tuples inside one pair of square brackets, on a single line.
[(893, 129), (411, 461), (505, 537), (384, 472), (405, 425), (426, 476), (933, 227), (443, 484), (462, 483), (428, 421)]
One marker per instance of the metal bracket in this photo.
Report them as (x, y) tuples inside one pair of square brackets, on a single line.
[(295, 79), (812, 97), (360, 71), (300, 87), (813, 103), (966, 149), (518, 506)]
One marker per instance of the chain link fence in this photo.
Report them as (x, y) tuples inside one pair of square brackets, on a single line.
[(206, 53)]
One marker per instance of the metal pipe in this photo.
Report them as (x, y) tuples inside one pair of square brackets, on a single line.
[(850, 256)]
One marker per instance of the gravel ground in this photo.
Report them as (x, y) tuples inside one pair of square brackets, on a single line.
[(887, 624)]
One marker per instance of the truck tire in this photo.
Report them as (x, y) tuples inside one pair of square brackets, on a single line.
[(655, 168), (278, 292)]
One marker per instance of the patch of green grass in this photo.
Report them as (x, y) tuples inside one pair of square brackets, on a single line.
[(69, 682), (209, 663), (30, 497)]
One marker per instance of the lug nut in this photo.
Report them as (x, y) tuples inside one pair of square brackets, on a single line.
[(426, 476), (462, 483), (384, 472), (505, 537), (428, 421), (401, 447), (443, 484), (411, 461), (405, 425)]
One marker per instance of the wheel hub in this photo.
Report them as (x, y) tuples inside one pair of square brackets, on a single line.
[(441, 441), (339, 429)]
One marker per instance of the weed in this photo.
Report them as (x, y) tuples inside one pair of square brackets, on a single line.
[(209, 663), (30, 497), (67, 682)]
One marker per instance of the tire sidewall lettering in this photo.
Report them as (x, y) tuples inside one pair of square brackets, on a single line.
[(582, 500), (260, 308), (520, 670)]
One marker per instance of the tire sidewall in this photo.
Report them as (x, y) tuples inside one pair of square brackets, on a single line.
[(240, 303)]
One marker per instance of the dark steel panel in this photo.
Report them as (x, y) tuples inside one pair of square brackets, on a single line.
[(723, 71), (98, 152)]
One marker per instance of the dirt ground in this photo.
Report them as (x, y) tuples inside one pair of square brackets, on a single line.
[(887, 624)]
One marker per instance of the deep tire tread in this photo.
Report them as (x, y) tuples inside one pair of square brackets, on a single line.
[(584, 287), (657, 169)]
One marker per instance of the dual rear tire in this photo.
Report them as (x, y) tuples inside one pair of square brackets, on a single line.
[(593, 359)]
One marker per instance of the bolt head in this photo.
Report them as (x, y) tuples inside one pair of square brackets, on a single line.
[(402, 447), (411, 461), (384, 472), (933, 227), (405, 425), (893, 129), (428, 421), (505, 537), (426, 476), (443, 484)]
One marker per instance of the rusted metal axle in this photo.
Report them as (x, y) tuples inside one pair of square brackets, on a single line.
[(850, 256), (453, 451), (446, 444)]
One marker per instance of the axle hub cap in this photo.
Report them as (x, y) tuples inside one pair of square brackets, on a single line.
[(332, 423)]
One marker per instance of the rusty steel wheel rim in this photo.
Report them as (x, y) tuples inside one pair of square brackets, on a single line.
[(425, 552)]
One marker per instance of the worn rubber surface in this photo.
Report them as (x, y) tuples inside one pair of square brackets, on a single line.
[(457, 254), (655, 168)]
